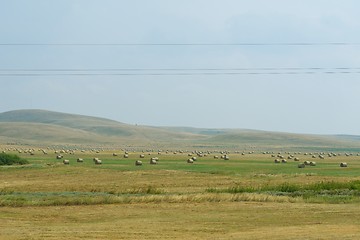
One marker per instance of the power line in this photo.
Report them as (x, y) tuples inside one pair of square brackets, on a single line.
[(176, 69), (184, 44), (174, 74), (39, 72)]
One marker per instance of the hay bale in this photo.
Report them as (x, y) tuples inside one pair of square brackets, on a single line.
[(307, 163), (80, 160), (312, 164), (343, 164), (66, 161), (301, 165), (138, 163)]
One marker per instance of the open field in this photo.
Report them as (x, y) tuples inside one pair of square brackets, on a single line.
[(246, 197), (220, 220)]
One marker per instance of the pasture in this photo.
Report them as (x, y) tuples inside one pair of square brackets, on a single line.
[(246, 197)]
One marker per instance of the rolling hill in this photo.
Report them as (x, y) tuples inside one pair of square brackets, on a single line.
[(40, 127)]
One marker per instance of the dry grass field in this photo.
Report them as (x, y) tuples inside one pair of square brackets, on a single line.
[(216, 220), (209, 199)]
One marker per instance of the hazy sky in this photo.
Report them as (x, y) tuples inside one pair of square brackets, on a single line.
[(294, 97)]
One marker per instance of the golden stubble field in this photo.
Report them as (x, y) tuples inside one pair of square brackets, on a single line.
[(218, 220), (171, 200)]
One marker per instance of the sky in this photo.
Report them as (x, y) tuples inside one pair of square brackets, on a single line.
[(274, 65)]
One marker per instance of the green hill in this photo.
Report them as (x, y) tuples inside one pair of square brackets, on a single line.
[(39, 127)]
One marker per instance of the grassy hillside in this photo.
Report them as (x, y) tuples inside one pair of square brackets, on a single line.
[(86, 123), (265, 140), (41, 127), (270, 140)]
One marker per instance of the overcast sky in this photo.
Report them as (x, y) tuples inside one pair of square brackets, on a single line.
[(292, 96)]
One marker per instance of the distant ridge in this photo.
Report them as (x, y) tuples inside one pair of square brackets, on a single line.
[(64, 128), (44, 116), (42, 127)]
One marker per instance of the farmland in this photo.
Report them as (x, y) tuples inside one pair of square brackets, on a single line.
[(246, 197)]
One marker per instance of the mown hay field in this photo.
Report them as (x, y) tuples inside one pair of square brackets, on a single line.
[(246, 197)]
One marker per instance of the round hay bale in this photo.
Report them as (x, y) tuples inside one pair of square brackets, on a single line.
[(343, 164), (66, 161), (98, 162), (277, 161), (301, 165), (284, 161), (190, 160), (80, 160), (307, 163), (153, 161), (59, 156), (142, 156), (312, 164), (126, 156), (138, 163)]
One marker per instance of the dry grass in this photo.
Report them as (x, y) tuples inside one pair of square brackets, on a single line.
[(229, 220)]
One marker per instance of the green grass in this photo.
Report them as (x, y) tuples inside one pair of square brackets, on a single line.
[(46, 181), (324, 191)]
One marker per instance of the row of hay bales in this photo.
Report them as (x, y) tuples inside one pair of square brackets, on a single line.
[(194, 159), (126, 155), (153, 161), (307, 163), (282, 159), (97, 161), (57, 150)]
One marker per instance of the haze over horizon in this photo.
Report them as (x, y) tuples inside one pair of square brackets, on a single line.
[(277, 65)]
